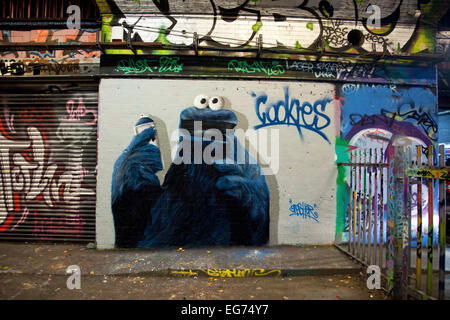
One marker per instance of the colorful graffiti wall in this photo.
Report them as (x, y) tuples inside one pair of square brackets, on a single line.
[(404, 25), (48, 160), (55, 62), (376, 117), (287, 187)]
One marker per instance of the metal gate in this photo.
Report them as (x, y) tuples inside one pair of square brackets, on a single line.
[(48, 153), (396, 195)]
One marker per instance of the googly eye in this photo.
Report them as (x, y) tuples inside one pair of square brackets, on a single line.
[(216, 103), (201, 101)]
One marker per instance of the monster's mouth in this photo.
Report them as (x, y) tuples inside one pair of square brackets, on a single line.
[(202, 125)]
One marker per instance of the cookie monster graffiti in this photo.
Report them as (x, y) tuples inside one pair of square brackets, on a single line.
[(200, 203)]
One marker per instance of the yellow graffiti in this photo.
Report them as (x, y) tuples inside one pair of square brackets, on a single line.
[(443, 173), (228, 273), (103, 6), (236, 273), (186, 273)]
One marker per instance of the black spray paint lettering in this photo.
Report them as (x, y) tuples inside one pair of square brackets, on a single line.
[(324, 18), (13, 67), (423, 119), (20, 68), (356, 118)]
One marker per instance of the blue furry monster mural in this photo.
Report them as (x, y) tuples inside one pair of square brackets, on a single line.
[(216, 203)]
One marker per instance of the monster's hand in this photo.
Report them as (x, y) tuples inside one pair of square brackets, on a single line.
[(142, 139), (247, 185), (243, 182), (140, 152)]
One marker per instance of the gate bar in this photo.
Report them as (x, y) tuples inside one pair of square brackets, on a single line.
[(375, 213), (364, 212), (350, 220), (430, 227), (354, 209), (419, 221), (359, 208), (406, 225), (442, 228), (381, 208), (369, 217)]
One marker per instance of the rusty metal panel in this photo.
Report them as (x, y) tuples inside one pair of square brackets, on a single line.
[(48, 158)]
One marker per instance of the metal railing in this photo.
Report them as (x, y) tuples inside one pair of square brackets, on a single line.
[(385, 188)]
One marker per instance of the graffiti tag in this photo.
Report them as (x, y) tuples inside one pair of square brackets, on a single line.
[(44, 228), (290, 112), (164, 64), (334, 70), (30, 175), (304, 210), (236, 273), (423, 119), (80, 111), (229, 273), (269, 69), (443, 173)]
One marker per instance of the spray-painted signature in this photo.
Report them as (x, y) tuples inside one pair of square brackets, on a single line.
[(304, 210)]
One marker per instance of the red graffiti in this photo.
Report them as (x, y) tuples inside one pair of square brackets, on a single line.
[(36, 115), (48, 227), (5, 225)]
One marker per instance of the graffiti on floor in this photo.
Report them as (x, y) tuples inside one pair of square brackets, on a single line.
[(229, 273)]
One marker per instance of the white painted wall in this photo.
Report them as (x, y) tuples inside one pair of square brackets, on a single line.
[(306, 167)]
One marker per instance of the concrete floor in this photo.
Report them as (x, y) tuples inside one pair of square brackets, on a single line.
[(38, 271), (48, 287), (412, 270)]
